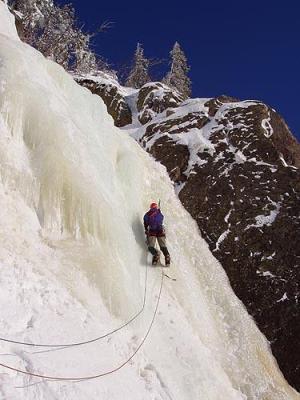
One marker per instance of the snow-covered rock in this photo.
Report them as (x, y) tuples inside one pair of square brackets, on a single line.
[(112, 93), (154, 98)]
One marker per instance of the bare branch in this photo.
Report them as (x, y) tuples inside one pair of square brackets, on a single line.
[(157, 61)]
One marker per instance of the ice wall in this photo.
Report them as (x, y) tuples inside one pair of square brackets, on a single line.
[(73, 192)]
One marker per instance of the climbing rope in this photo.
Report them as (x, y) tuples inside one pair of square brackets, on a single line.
[(99, 375), (62, 346)]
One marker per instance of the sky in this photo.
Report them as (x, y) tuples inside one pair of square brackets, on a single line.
[(248, 50)]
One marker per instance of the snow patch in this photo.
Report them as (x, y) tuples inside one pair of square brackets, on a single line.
[(283, 298), (284, 163), (221, 238), (265, 273), (240, 158), (265, 220), (266, 125)]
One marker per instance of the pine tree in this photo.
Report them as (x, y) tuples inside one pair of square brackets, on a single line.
[(138, 75), (85, 59), (59, 35), (54, 31), (32, 16), (177, 77)]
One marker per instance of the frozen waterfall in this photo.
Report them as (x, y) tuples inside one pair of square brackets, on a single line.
[(73, 190)]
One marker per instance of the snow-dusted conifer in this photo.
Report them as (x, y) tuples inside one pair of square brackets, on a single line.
[(85, 59), (31, 17), (177, 77), (53, 31), (59, 35), (139, 75)]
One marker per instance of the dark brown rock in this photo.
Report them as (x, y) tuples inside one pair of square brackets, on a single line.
[(176, 163), (114, 101), (154, 98), (214, 104), (284, 141)]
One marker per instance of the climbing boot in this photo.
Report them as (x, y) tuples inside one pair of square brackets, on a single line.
[(167, 260), (155, 259)]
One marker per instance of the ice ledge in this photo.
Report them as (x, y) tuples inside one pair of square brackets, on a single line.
[(7, 22)]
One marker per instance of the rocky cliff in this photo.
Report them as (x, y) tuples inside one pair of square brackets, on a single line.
[(235, 167), (112, 94)]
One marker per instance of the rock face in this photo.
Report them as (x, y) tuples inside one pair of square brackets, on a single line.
[(111, 94), (235, 167), (154, 98)]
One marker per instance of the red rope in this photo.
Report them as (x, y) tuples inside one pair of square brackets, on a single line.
[(84, 378), (63, 346)]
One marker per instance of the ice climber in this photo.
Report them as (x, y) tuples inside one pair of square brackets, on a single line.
[(154, 230)]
